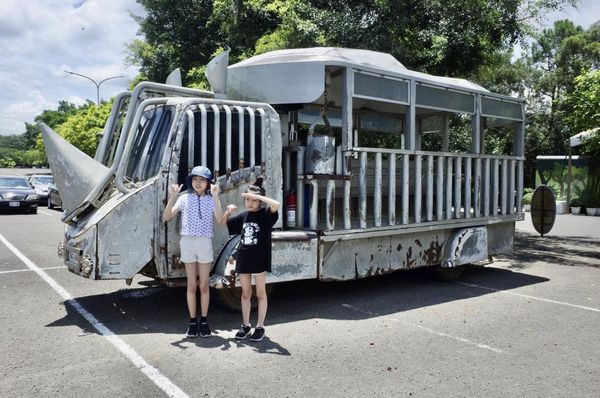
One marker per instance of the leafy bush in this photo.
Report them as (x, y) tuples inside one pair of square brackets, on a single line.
[(527, 198), (575, 202)]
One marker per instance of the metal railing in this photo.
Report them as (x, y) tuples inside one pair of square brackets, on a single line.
[(403, 188)]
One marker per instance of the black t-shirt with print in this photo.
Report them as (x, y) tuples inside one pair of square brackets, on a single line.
[(254, 252)]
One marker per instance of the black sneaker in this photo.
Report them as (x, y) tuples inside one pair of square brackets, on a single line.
[(204, 329), (258, 334), (243, 332), (192, 330)]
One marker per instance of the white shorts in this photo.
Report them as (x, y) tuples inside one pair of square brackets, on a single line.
[(196, 249)]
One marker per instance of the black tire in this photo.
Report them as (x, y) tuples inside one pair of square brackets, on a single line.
[(50, 205), (448, 274), (33, 211), (230, 298)]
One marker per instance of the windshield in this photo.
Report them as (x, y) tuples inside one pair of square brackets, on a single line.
[(44, 180), (14, 182)]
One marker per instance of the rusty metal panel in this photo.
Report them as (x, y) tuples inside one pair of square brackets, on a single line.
[(126, 233), (359, 258)]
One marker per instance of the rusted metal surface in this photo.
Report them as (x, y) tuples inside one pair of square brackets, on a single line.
[(464, 246), (359, 258)]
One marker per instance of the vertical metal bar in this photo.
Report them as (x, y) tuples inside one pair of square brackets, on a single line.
[(314, 205), (300, 188), (477, 188), (457, 186), (476, 126), (504, 187), (429, 179), (439, 188), (347, 213), (241, 131), (377, 193), (203, 134), (486, 187), (449, 178), (330, 204), (405, 188), (417, 197), (467, 194), (347, 94), (520, 186), (263, 139), (495, 186), (191, 133), (347, 192), (392, 189), (252, 137), (287, 171), (227, 139), (216, 139), (362, 200), (511, 186), (411, 116)]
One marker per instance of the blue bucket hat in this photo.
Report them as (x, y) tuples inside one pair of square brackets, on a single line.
[(200, 171)]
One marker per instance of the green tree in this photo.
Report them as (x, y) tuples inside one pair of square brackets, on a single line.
[(177, 34), (453, 38), (584, 103), (83, 127)]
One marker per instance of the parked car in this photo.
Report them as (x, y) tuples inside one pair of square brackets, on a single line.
[(40, 183), (53, 197), (17, 194)]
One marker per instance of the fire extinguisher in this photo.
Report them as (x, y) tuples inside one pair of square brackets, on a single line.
[(290, 201)]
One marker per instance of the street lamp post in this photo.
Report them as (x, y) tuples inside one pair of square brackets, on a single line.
[(93, 81)]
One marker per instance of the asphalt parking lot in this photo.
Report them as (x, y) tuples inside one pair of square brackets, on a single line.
[(526, 325)]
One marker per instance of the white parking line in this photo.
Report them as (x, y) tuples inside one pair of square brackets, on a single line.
[(151, 372), (28, 270), (428, 330), (532, 297), (43, 212)]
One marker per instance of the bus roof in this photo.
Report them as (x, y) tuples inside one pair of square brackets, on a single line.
[(299, 70)]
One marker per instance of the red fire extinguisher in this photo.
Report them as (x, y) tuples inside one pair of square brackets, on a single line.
[(290, 201)]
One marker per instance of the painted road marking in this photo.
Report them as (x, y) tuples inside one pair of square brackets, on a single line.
[(28, 270), (150, 371), (43, 212), (426, 329), (583, 307)]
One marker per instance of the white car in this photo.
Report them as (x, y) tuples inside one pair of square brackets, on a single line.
[(40, 183)]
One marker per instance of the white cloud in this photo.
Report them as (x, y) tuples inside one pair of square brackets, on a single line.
[(39, 39)]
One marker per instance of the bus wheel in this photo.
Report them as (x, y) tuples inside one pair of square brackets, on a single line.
[(230, 298), (449, 274)]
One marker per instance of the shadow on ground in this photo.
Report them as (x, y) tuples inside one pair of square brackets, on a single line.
[(157, 309), (557, 250)]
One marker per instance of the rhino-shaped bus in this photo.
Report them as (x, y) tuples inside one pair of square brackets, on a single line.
[(379, 168)]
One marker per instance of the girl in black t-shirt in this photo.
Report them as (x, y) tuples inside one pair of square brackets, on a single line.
[(254, 252)]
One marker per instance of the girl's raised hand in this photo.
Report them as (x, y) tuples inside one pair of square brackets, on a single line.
[(214, 189), (174, 189), (231, 208)]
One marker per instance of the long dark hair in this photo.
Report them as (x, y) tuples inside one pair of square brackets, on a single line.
[(257, 187)]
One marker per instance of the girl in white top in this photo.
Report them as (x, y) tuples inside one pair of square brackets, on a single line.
[(197, 207)]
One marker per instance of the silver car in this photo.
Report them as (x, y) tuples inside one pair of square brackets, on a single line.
[(41, 182)]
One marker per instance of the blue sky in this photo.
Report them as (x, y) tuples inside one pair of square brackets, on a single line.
[(39, 39)]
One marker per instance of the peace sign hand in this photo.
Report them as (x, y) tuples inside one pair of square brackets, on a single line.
[(174, 189)]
